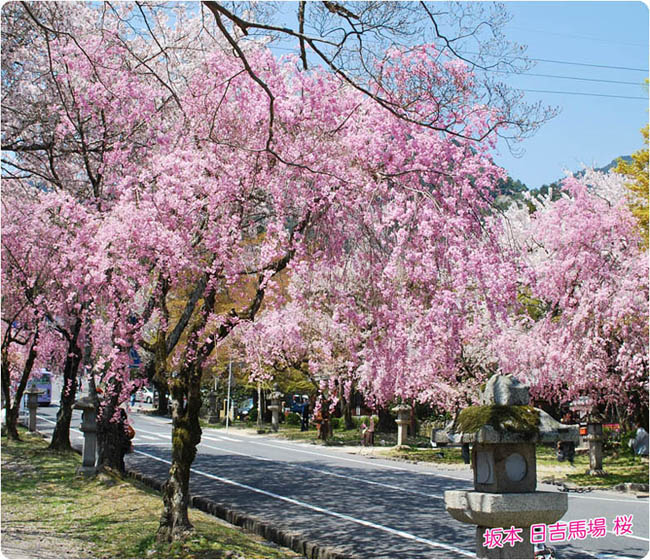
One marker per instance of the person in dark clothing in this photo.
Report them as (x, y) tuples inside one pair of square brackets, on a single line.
[(566, 451), (304, 423), (465, 453)]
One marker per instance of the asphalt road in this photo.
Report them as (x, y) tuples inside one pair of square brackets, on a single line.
[(365, 506)]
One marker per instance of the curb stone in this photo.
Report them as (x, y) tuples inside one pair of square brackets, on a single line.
[(623, 487), (288, 539), (631, 487)]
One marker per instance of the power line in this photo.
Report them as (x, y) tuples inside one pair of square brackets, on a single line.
[(567, 77), (581, 93), (583, 79), (586, 37), (567, 62), (585, 64)]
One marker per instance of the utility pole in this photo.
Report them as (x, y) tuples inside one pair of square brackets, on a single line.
[(259, 405), (228, 399)]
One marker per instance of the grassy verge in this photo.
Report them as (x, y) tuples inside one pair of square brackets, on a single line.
[(618, 467), (102, 517), (441, 455), (340, 437)]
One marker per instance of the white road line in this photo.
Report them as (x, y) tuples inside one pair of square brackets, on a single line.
[(235, 452), (210, 438), (645, 539), (139, 435), (637, 501), (367, 463), (326, 511), (147, 418), (157, 434), (220, 438), (329, 473)]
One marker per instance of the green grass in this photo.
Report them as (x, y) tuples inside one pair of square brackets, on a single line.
[(618, 467), (340, 437), (102, 517), (440, 455)]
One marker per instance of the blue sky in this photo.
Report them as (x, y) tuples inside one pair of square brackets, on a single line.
[(589, 130)]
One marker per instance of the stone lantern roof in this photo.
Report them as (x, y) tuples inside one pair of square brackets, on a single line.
[(505, 416), (84, 403)]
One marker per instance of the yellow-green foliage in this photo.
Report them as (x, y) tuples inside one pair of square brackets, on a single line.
[(637, 173), (522, 419)]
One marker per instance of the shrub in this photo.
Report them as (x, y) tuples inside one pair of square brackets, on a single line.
[(336, 423), (293, 419), (625, 438)]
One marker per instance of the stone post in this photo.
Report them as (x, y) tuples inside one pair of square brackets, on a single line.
[(504, 431), (213, 411), (32, 405), (274, 407), (402, 411), (89, 429), (595, 441)]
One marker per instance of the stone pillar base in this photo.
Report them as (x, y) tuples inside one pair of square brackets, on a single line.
[(519, 550), (86, 471)]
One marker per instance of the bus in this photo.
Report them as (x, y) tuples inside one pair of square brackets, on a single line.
[(43, 382)]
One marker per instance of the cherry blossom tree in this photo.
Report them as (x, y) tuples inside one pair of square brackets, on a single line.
[(20, 323), (177, 159), (585, 331)]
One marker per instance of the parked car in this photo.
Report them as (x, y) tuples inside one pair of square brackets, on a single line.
[(145, 395), (244, 408)]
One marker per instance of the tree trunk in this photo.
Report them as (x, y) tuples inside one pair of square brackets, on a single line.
[(163, 401), (413, 424), (386, 423), (11, 422), (186, 435), (347, 413), (61, 436), (113, 441), (259, 405), (325, 431), (12, 409)]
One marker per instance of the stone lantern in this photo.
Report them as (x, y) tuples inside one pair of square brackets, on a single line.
[(89, 429), (213, 411), (274, 407), (32, 405), (594, 440), (403, 415), (504, 431)]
